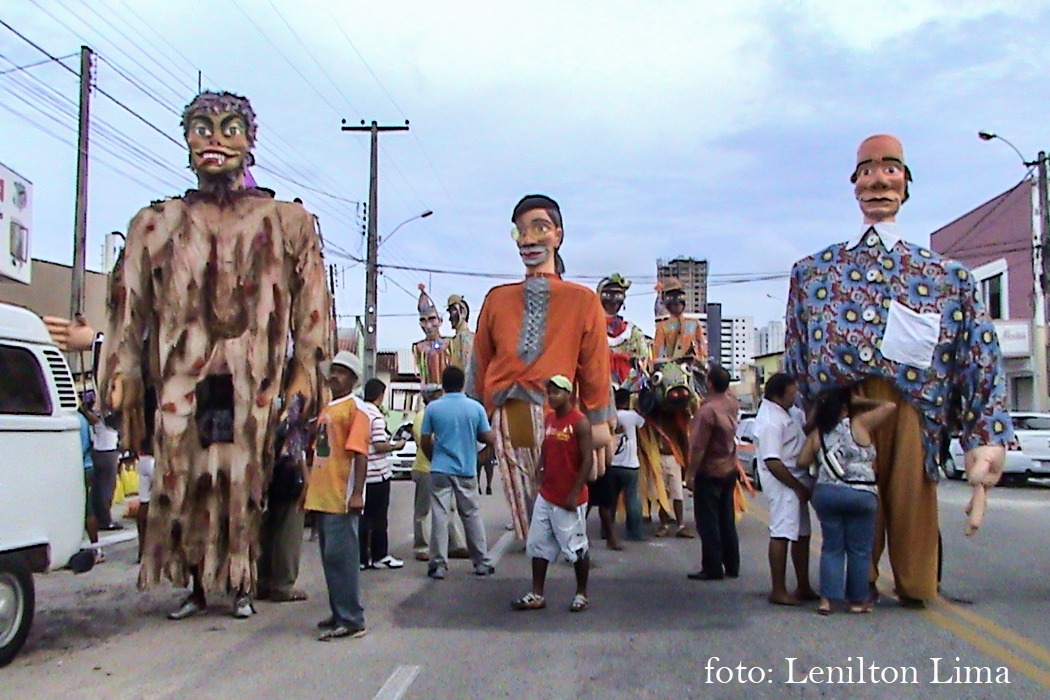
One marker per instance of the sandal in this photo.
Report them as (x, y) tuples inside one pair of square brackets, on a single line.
[(579, 603), (860, 608), (529, 601), (825, 607)]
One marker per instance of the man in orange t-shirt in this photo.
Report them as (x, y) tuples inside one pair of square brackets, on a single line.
[(336, 494), (528, 332)]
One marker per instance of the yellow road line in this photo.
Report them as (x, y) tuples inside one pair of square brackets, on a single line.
[(937, 614)]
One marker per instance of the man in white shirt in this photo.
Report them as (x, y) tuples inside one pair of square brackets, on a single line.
[(622, 476), (374, 541), (779, 434)]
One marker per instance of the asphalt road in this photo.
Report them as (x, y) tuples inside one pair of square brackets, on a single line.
[(650, 632)]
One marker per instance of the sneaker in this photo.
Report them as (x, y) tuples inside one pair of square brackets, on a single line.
[(188, 608), (389, 561), (327, 623), (484, 570), (340, 631), (438, 573), (243, 608)]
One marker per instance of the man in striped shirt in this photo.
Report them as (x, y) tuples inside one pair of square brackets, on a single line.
[(375, 552)]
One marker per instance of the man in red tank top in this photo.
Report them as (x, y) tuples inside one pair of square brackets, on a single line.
[(558, 524)]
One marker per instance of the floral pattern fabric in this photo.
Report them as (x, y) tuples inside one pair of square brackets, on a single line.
[(844, 299)]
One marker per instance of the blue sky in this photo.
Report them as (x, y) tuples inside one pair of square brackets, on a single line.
[(723, 131)]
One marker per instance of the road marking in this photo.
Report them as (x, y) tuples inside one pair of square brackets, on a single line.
[(937, 614), (498, 549), (398, 683)]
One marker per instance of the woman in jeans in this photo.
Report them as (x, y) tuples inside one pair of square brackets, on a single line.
[(845, 496)]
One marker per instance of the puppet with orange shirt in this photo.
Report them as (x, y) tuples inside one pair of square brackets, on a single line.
[(528, 332)]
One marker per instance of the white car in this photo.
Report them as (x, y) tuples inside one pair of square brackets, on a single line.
[(1032, 459), (401, 464)]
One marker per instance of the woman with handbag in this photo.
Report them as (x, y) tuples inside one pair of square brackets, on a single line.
[(841, 453)]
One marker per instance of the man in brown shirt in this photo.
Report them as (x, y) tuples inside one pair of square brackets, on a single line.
[(712, 473)]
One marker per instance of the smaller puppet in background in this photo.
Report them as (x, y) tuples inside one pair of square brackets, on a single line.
[(434, 353), (461, 344), (629, 351), (680, 338)]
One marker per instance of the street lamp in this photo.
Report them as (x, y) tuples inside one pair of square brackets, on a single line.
[(988, 136), (1041, 265), (406, 221), (371, 297)]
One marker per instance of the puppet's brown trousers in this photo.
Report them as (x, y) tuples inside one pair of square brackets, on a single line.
[(907, 517)]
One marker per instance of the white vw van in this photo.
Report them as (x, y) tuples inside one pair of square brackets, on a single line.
[(41, 470)]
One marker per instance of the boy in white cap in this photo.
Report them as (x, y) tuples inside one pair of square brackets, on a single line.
[(559, 524)]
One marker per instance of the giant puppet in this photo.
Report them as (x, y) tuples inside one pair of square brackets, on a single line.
[(629, 352), (528, 332), (678, 337), (461, 344), (907, 324), (434, 353), (228, 285)]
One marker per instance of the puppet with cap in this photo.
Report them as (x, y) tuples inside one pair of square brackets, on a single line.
[(461, 345), (629, 352), (528, 332), (228, 285), (680, 338), (433, 354), (905, 325)]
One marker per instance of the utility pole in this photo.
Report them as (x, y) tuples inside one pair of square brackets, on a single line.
[(371, 263), (1044, 276), (76, 304)]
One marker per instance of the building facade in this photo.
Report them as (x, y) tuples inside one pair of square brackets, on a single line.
[(769, 338), (998, 242), (693, 276)]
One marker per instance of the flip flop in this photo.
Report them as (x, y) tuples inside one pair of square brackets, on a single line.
[(579, 603), (529, 601)]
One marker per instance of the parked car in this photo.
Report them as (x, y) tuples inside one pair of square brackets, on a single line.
[(403, 458), (1030, 459), (745, 449), (41, 471)]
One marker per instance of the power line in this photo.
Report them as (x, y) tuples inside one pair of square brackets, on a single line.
[(27, 66)]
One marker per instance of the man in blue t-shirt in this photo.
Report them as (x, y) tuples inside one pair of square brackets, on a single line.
[(452, 427)]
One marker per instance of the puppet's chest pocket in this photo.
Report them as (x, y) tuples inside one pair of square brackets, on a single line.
[(910, 336)]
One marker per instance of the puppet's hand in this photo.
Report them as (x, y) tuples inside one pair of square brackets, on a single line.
[(70, 336), (601, 434), (984, 467)]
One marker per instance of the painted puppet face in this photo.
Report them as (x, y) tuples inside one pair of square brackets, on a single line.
[(537, 237), (672, 380), (457, 312), (675, 302), (430, 322), (612, 298), (880, 189), (218, 143)]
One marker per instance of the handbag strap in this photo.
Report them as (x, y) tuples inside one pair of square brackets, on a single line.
[(836, 468)]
